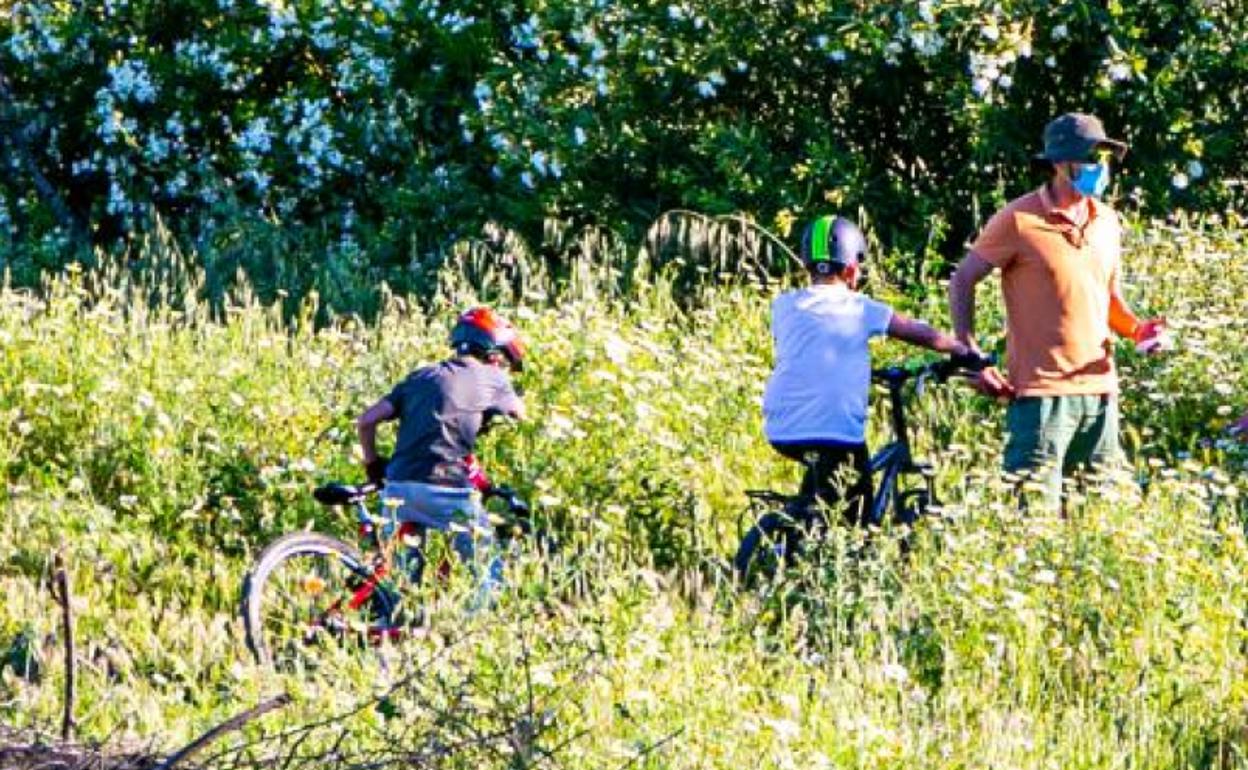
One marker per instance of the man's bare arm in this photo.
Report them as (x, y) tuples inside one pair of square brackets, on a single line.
[(970, 271)]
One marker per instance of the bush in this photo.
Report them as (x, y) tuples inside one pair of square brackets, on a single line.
[(370, 136)]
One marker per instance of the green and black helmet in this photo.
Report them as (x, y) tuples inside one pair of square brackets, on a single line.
[(831, 244)]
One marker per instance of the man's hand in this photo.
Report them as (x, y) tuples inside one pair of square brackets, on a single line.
[(992, 383), (988, 380), (1150, 336), (376, 470)]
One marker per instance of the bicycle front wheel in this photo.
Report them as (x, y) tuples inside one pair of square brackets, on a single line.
[(308, 590)]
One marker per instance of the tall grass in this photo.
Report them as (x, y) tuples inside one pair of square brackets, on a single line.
[(159, 440)]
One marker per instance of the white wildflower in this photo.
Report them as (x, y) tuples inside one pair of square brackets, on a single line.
[(256, 137), (131, 80), (926, 43), (1119, 71), (895, 672), (785, 729), (538, 161)]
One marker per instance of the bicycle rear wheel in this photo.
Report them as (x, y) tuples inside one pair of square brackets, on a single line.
[(766, 547), (308, 590)]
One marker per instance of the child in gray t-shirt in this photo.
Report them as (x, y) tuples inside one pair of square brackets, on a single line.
[(441, 410)]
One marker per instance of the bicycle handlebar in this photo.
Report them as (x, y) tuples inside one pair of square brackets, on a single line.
[(348, 494), (939, 370)]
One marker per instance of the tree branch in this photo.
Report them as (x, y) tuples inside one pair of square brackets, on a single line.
[(229, 725), (61, 593), (17, 137)]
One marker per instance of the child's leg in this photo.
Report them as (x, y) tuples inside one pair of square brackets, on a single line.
[(415, 536), (836, 475), (845, 481), (456, 510), (476, 547)]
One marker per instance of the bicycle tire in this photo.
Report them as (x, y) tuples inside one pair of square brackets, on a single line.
[(765, 547), (258, 579), (912, 505)]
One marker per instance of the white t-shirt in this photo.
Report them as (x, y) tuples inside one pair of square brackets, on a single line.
[(818, 390)]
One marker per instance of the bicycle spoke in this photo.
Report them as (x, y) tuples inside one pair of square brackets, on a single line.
[(307, 605)]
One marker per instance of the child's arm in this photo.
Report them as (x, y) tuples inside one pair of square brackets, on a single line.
[(918, 333), (366, 429), (991, 381)]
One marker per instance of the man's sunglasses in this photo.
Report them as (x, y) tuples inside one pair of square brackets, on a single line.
[(1100, 156)]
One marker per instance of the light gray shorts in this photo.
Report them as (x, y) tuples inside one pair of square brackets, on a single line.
[(436, 507)]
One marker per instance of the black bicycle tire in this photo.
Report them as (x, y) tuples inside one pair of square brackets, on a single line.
[(912, 505), (286, 546), (885, 497), (763, 530)]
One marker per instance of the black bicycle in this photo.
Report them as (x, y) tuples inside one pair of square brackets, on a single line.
[(906, 487)]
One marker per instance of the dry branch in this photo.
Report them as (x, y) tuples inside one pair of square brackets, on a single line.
[(228, 726), (63, 597)]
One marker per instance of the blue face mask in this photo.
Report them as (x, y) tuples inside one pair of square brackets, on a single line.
[(1092, 180)]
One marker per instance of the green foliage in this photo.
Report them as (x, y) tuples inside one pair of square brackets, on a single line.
[(159, 445), (344, 142)]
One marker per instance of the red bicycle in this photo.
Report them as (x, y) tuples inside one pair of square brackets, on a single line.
[(309, 589)]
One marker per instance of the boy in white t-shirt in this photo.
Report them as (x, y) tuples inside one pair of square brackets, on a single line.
[(815, 404)]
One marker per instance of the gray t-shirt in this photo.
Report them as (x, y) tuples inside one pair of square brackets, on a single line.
[(440, 409)]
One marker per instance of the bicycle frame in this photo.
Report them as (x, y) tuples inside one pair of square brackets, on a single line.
[(895, 459), (376, 567), (382, 539), (381, 568), (780, 531)]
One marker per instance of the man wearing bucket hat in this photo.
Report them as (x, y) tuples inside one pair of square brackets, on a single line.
[(1058, 250)]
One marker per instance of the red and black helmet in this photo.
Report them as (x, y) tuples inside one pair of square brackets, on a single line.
[(481, 331)]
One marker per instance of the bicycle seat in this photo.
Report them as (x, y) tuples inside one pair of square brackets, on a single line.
[(342, 494), (767, 496)]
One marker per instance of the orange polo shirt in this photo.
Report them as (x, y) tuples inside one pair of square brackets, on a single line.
[(1056, 278)]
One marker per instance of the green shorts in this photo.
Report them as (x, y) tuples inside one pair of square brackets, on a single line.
[(1052, 437)]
